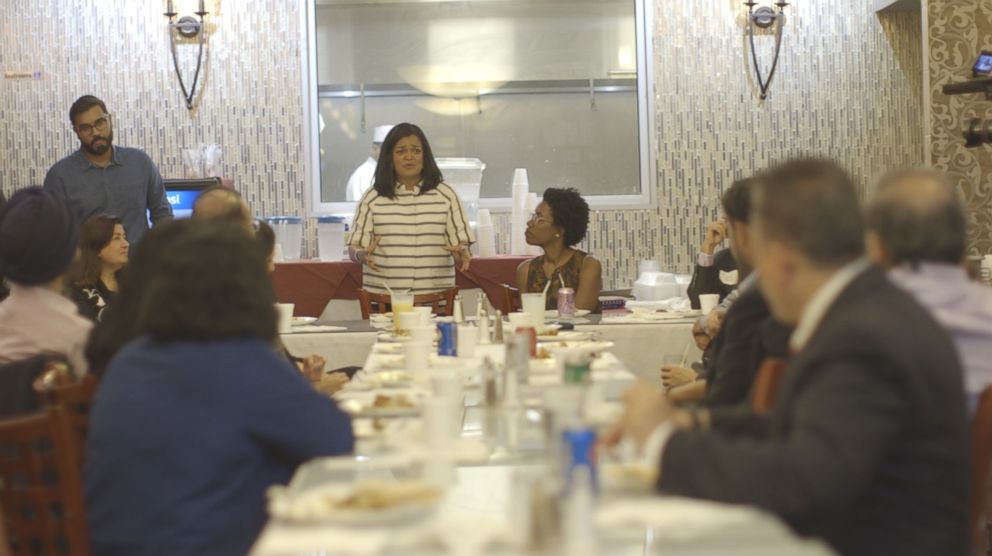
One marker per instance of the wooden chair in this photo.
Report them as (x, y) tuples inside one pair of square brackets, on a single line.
[(766, 384), (76, 396), (41, 491), (981, 450), (509, 300), (441, 303), (16, 396)]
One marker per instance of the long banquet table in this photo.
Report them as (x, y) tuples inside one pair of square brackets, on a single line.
[(310, 284), (641, 347), (488, 472)]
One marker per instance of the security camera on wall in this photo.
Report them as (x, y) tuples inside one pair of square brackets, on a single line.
[(976, 131), (983, 66)]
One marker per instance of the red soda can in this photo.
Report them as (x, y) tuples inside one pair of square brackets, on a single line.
[(531, 337)]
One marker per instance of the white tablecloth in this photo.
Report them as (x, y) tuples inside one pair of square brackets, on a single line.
[(642, 348), (480, 509), (476, 514), (348, 348)]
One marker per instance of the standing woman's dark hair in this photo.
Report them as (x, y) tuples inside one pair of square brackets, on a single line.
[(385, 172), (94, 235)]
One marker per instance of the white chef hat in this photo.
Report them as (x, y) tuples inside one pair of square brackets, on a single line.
[(379, 135)]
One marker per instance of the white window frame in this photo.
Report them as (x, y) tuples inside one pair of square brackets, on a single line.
[(647, 142)]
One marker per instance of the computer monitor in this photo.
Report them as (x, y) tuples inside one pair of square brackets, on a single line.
[(181, 194)]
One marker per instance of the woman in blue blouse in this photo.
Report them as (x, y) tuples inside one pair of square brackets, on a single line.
[(196, 418)]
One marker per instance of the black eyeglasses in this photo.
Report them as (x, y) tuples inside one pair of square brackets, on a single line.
[(99, 125)]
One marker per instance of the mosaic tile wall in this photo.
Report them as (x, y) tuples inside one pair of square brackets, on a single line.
[(250, 101), (848, 86), (958, 30)]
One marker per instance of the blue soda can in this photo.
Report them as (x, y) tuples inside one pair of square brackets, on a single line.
[(448, 344), (579, 448)]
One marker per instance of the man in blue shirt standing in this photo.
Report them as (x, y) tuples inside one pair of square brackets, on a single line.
[(100, 178)]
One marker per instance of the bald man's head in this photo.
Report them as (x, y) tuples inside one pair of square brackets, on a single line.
[(221, 203), (917, 217)]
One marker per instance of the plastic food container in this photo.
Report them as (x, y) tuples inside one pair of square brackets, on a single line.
[(289, 236), (330, 237)]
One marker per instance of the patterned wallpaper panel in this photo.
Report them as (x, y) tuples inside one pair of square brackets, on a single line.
[(848, 86), (958, 31), (250, 101)]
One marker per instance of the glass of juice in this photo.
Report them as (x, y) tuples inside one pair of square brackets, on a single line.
[(401, 302)]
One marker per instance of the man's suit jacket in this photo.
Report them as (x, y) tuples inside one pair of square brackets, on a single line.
[(866, 445), (706, 279), (748, 335)]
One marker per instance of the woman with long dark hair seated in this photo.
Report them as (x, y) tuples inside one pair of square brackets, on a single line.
[(103, 252), (557, 225), (198, 416)]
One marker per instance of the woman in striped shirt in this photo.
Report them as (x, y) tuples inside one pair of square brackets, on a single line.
[(410, 229)]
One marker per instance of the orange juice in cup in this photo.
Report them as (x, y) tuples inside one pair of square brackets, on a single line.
[(401, 303)]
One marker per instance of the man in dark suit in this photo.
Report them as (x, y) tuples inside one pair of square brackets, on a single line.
[(748, 333), (866, 445), (717, 273)]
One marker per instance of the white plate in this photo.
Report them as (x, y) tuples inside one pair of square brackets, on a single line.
[(357, 410), (566, 336), (388, 379), (585, 347), (316, 506), (301, 321), (397, 361), (553, 313), (359, 403)]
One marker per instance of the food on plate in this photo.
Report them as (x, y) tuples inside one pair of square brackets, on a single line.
[(399, 401), (366, 500), (377, 495)]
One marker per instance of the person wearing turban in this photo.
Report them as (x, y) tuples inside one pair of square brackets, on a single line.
[(38, 237)]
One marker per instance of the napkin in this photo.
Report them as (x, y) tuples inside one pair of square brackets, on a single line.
[(670, 304)]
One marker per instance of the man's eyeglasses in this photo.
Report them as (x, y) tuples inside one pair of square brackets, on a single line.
[(536, 217), (99, 125)]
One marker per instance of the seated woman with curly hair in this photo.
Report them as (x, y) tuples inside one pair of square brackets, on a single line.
[(103, 252), (557, 225)]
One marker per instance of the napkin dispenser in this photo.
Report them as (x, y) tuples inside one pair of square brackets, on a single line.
[(655, 286)]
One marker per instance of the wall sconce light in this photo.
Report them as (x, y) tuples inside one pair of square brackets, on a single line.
[(188, 27), (765, 17)]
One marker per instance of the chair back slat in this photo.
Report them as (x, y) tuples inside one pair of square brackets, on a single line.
[(981, 450), (441, 303), (41, 493), (16, 396), (76, 396)]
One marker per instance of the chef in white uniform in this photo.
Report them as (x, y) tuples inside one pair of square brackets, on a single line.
[(361, 179)]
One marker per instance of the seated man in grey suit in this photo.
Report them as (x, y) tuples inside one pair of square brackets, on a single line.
[(866, 445)]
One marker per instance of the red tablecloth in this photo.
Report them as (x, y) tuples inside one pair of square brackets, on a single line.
[(311, 284)]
